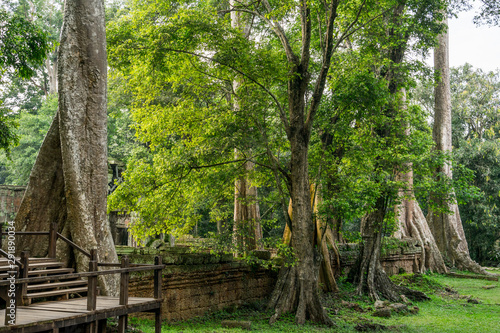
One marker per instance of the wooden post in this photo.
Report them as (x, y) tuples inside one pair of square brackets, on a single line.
[(92, 282), (157, 278), (52, 240), (124, 277), (93, 255), (25, 260), (157, 293), (102, 326), (1, 236)]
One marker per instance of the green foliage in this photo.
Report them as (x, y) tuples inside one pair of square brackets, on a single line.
[(183, 112), (367, 134), (16, 166), (23, 48), (476, 119), (475, 103), (23, 45), (179, 61)]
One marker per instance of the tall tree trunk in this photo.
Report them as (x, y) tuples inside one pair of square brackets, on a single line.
[(412, 223), (52, 75), (297, 286), (247, 230), (324, 240), (447, 228), (78, 141), (368, 273)]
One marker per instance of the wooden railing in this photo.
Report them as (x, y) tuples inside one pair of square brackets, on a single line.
[(53, 237), (124, 269), (92, 275)]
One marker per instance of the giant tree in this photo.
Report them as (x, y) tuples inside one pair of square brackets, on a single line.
[(447, 226), (397, 140), (68, 183), (286, 66)]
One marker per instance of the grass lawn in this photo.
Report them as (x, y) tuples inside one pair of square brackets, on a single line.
[(452, 309)]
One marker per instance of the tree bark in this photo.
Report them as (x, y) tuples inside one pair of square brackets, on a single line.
[(76, 174), (323, 239), (447, 228), (247, 230)]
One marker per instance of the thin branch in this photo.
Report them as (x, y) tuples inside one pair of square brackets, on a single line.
[(282, 113), (344, 36), (196, 167), (327, 56), (320, 34), (305, 16), (207, 74), (292, 57)]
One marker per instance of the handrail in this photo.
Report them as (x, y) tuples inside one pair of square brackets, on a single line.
[(73, 245), (6, 255), (112, 264), (83, 274)]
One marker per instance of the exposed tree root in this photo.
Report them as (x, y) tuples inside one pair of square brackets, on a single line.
[(293, 294), (368, 273), (412, 224)]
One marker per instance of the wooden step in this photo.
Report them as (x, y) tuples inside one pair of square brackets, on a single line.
[(56, 292), (57, 285), (49, 272), (36, 265), (4, 260)]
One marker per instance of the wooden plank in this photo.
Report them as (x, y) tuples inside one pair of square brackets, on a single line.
[(56, 292), (51, 271), (69, 242), (102, 326), (42, 264), (25, 260), (124, 279), (35, 320)]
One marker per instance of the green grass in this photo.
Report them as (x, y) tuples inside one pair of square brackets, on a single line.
[(449, 311)]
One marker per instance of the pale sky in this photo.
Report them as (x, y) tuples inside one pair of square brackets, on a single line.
[(477, 45)]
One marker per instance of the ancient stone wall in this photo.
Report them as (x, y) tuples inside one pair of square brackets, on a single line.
[(403, 258), (10, 200), (194, 283)]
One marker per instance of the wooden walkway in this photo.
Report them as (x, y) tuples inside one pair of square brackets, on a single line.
[(28, 284), (52, 316)]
